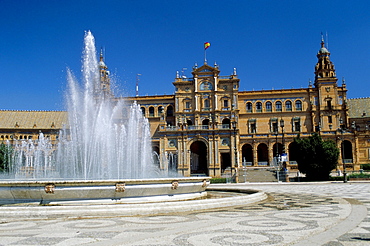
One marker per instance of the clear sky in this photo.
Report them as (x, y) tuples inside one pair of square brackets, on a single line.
[(273, 44)]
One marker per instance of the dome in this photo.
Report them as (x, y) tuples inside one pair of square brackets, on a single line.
[(324, 50)]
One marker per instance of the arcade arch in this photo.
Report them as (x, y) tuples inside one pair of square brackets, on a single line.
[(262, 154), (346, 151), (247, 155), (198, 158)]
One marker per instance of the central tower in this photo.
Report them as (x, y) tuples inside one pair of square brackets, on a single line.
[(330, 100)]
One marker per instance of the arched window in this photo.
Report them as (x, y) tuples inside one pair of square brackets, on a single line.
[(160, 110), (328, 104), (288, 106), (143, 111), (226, 123), (206, 104), (278, 106), (170, 111), (298, 105), (151, 111), (249, 107), (268, 106), (205, 124), (258, 107)]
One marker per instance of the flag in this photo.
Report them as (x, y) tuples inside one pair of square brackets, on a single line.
[(206, 45)]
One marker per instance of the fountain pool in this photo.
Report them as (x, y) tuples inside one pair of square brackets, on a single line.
[(104, 153)]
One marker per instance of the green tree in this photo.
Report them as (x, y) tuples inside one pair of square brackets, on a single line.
[(316, 158), (5, 151)]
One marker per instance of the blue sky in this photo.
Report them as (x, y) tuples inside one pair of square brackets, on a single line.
[(273, 44)]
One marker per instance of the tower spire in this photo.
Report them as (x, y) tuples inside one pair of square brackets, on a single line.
[(324, 67), (101, 54), (104, 76)]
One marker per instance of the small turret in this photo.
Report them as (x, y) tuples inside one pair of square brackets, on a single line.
[(324, 67), (104, 77)]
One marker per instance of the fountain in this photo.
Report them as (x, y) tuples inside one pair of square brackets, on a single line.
[(103, 154)]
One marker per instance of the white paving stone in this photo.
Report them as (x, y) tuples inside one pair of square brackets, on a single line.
[(329, 214)]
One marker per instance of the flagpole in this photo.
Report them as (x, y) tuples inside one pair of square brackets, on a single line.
[(205, 56)]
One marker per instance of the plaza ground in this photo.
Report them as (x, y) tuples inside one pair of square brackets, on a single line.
[(293, 214)]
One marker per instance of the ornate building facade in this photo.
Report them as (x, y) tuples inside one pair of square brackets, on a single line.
[(209, 127)]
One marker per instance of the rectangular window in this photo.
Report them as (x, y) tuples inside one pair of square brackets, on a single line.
[(226, 103), (328, 104), (330, 120), (340, 100), (253, 128), (297, 126), (187, 105), (275, 127)]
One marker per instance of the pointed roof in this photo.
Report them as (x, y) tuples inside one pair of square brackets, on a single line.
[(323, 49), (101, 62), (324, 67)]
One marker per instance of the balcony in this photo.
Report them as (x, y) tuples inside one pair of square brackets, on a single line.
[(163, 128)]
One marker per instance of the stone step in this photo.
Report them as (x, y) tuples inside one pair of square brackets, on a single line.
[(257, 175)]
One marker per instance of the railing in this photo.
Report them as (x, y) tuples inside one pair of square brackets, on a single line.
[(201, 127), (247, 163), (171, 128), (224, 126), (195, 127)]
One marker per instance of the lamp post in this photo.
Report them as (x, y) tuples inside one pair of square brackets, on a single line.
[(235, 149), (282, 132), (276, 144), (277, 154), (342, 147), (283, 155)]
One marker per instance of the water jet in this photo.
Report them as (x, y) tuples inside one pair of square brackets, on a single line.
[(103, 153)]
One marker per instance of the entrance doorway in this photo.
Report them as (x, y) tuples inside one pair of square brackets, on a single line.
[(198, 158), (262, 154), (225, 161), (346, 151), (247, 155)]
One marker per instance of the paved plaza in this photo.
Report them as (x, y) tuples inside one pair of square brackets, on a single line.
[(329, 214)]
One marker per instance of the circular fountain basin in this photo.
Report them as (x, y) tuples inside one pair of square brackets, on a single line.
[(222, 198), (116, 191)]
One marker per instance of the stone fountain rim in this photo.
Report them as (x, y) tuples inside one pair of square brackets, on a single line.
[(93, 182), (124, 210)]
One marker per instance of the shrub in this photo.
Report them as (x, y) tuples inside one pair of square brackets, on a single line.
[(359, 175), (365, 167), (218, 180)]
